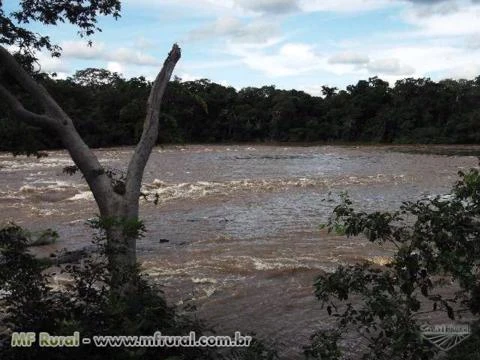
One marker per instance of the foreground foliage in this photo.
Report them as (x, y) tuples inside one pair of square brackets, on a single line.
[(31, 303), (434, 271), (85, 304)]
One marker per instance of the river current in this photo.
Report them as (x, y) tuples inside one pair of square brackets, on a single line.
[(236, 228)]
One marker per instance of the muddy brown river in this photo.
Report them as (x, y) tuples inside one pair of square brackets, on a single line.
[(242, 222)]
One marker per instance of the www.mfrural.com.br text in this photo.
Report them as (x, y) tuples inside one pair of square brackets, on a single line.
[(44, 339)]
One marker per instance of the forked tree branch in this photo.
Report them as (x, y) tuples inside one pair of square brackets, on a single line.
[(56, 119), (81, 154), (40, 94), (149, 136), (23, 114)]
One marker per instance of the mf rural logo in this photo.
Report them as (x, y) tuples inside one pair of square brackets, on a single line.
[(445, 337)]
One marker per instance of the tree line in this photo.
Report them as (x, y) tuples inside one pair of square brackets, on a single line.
[(109, 111)]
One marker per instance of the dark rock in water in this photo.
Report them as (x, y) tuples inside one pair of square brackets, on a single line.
[(67, 256), (45, 237), (74, 256), (162, 241)]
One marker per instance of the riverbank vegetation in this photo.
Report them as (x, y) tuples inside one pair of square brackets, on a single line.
[(109, 110), (432, 278)]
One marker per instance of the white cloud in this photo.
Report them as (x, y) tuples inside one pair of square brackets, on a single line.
[(426, 58), (51, 64), (343, 5), (214, 64), (114, 66), (300, 58), (432, 59), (441, 38), (314, 90), (269, 6), (464, 21), (430, 8), (81, 50), (466, 71), (98, 51), (257, 31), (224, 83), (390, 66), (142, 43), (290, 59), (198, 6), (221, 27), (473, 41), (131, 56), (45, 62), (266, 7), (298, 53), (349, 57), (189, 77)]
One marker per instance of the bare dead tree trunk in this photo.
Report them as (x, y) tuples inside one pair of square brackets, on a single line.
[(118, 207)]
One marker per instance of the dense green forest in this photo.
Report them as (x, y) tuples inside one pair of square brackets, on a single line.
[(109, 111)]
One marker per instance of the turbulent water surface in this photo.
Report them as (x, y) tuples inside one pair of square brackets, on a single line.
[(242, 222)]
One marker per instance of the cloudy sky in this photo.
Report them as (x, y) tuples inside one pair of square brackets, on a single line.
[(301, 44)]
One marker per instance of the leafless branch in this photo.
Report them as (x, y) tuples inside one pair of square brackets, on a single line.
[(23, 114), (150, 128)]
